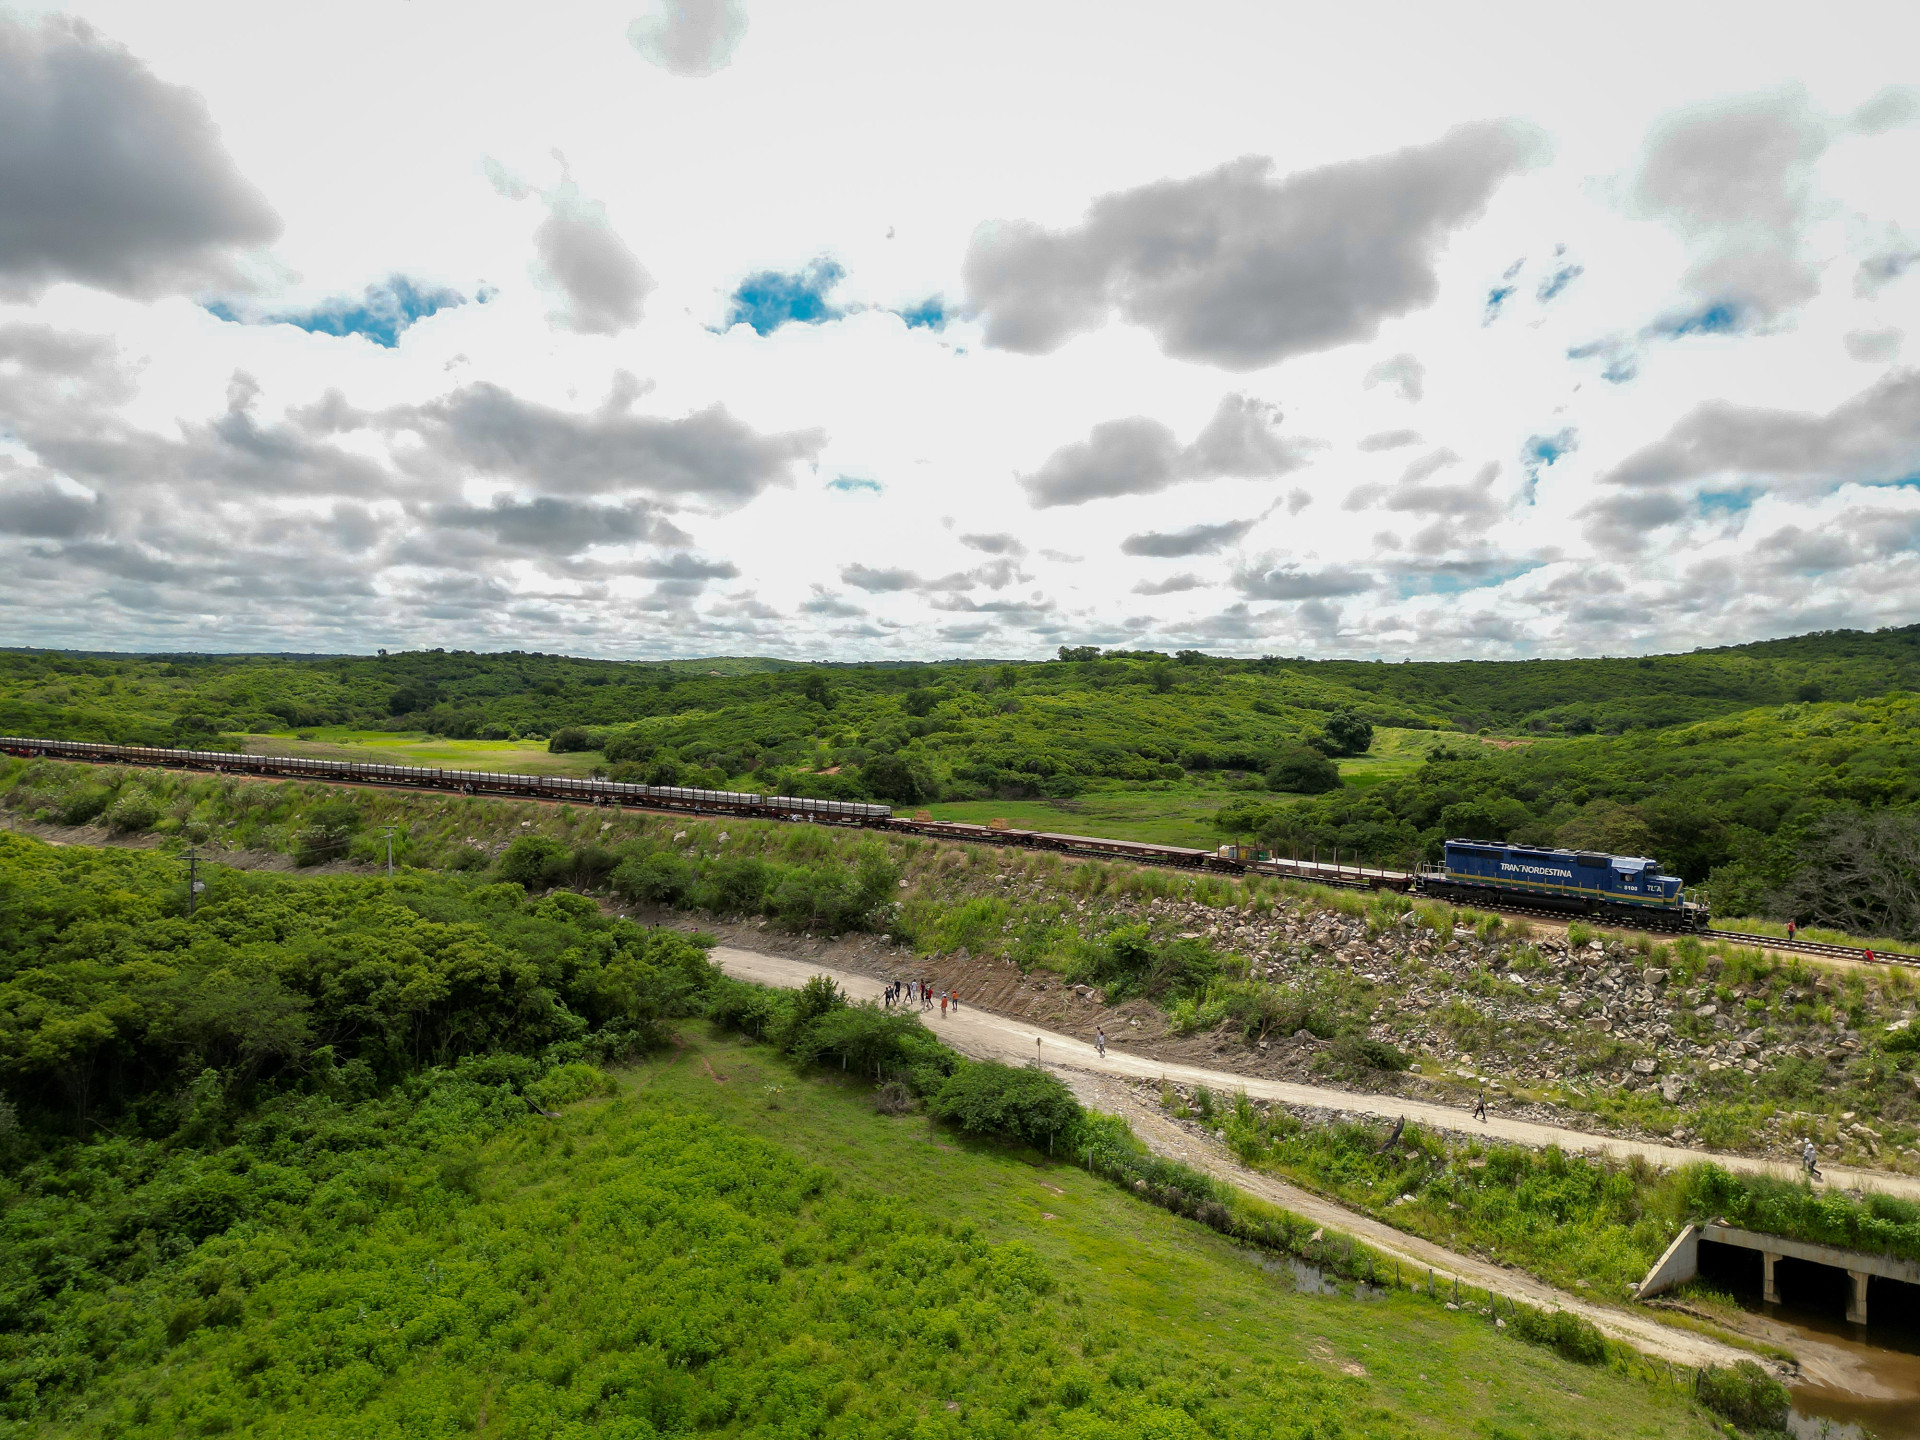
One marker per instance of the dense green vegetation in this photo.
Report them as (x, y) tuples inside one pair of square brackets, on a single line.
[(1749, 768), (299, 1165), (1575, 1220)]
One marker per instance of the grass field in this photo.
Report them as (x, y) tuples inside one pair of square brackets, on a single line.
[(385, 747), (730, 1246)]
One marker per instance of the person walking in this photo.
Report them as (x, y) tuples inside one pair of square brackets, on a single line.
[(1100, 1040), (1480, 1108), (1791, 930), (956, 999), (1810, 1159), (943, 1007)]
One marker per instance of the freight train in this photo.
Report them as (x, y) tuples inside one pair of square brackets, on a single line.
[(1626, 890)]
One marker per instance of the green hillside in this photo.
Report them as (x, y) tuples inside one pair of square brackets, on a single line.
[(1745, 768), (333, 1158)]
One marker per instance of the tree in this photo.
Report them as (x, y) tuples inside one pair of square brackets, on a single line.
[(888, 777), (1348, 734), (1304, 771), (814, 687), (1079, 653), (534, 861), (569, 739)]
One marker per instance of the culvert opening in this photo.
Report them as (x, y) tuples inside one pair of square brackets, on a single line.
[(1893, 1312), (1733, 1270), (1817, 1289)]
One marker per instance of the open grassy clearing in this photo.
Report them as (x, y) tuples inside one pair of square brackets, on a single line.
[(385, 747), (734, 1247)]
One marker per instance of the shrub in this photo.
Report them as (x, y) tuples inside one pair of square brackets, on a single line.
[(988, 1098), (1575, 1337), (656, 879), (1303, 771), (568, 739), (134, 811), (1745, 1394), (84, 805), (1358, 1053), (534, 861), (591, 864), (734, 886)]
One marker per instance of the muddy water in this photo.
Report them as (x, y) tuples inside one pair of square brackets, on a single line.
[(1855, 1384)]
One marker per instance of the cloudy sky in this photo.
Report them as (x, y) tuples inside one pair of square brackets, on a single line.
[(691, 327)]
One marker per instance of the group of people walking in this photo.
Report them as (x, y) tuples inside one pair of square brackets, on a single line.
[(903, 992)]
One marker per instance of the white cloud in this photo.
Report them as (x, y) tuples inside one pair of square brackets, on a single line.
[(576, 460)]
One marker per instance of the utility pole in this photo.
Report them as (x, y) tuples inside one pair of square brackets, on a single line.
[(389, 829)]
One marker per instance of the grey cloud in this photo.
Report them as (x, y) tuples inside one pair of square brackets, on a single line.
[(1135, 456), (1735, 179), (684, 567), (1242, 442), (879, 582), (1240, 268), (1405, 373), (112, 177), (1879, 271), (746, 607), (1620, 523), (1793, 551), (1389, 440), (1140, 456), (1290, 582), (996, 575), (547, 524), (825, 602), (1893, 107), (690, 38), (1236, 622), (1061, 557), (1000, 544), (1874, 346), (1194, 540), (1172, 585), (1473, 499), (707, 455), (604, 284), (1873, 437), (39, 509)]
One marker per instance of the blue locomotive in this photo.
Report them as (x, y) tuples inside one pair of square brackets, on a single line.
[(1627, 888)]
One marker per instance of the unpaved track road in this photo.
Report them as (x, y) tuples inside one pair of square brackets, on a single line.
[(984, 1034), (1099, 1081)]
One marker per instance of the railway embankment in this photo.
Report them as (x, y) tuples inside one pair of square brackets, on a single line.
[(1702, 1045)]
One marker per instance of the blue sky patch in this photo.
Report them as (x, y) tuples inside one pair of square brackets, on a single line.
[(1622, 361), (1563, 276), (854, 485), (1496, 297), (381, 315), (1718, 319), (929, 314), (1541, 451), (771, 298), (1727, 502)]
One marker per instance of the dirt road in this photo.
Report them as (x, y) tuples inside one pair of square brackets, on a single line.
[(983, 1034)]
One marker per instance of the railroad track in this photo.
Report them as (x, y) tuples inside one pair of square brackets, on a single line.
[(669, 800)]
